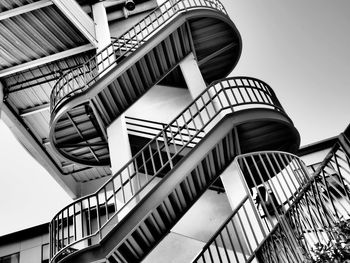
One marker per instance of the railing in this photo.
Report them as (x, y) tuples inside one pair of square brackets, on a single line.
[(229, 243), (306, 218), (84, 76), (149, 129), (320, 218), (281, 177), (83, 223)]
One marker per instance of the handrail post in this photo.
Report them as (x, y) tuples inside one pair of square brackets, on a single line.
[(244, 183)]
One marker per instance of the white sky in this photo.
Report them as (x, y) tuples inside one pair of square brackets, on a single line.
[(300, 48)]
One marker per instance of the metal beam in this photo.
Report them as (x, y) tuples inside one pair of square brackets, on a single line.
[(35, 109), (216, 53), (77, 16), (45, 60), (99, 120), (81, 136), (83, 144), (24, 9)]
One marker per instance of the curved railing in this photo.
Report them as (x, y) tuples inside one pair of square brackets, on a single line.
[(298, 218), (82, 223), (79, 79), (251, 223)]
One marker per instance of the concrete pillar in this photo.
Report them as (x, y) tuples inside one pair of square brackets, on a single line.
[(102, 29), (103, 36), (236, 190), (118, 142), (120, 154), (196, 85), (192, 75)]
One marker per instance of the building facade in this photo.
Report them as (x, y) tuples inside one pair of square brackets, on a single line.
[(127, 104)]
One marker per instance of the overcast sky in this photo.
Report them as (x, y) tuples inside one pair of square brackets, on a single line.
[(300, 48)]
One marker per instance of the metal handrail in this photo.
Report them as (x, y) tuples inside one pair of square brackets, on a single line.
[(84, 76), (318, 214), (308, 213), (95, 210), (283, 169), (149, 129)]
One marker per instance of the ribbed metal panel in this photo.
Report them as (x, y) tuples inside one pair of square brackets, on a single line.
[(10, 4), (32, 88), (36, 34)]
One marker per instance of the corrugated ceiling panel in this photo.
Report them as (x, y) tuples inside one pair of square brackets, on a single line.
[(33, 87), (35, 35), (11, 4), (40, 122)]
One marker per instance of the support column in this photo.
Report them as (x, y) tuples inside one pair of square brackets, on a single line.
[(103, 36), (236, 190), (118, 142), (102, 29), (120, 154), (196, 85), (192, 75)]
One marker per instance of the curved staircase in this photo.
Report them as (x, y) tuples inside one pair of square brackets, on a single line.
[(135, 209), (163, 180), (88, 98)]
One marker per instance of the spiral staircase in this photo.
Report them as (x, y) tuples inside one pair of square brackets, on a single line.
[(136, 207)]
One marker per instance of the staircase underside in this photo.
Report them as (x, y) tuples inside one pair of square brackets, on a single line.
[(132, 238), (78, 124)]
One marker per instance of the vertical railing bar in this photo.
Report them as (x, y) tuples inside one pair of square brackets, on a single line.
[(225, 249), (152, 160), (340, 177), (210, 254), (89, 216), (130, 181), (199, 112), (255, 185), (286, 165), (297, 169), (248, 193), (167, 150), (270, 182), (278, 180), (217, 251), (239, 240), (179, 131), (62, 226), (231, 242), (160, 154), (317, 202), (82, 219), (106, 203), (68, 230), (328, 194), (98, 215), (122, 186), (311, 217), (250, 225), (144, 164), (172, 140), (282, 174), (188, 131), (244, 232)]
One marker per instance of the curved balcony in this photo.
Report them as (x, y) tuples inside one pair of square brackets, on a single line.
[(246, 105), (88, 98), (252, 222)]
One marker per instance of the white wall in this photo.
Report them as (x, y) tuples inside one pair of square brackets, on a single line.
[(30, 249), (160, 103)]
